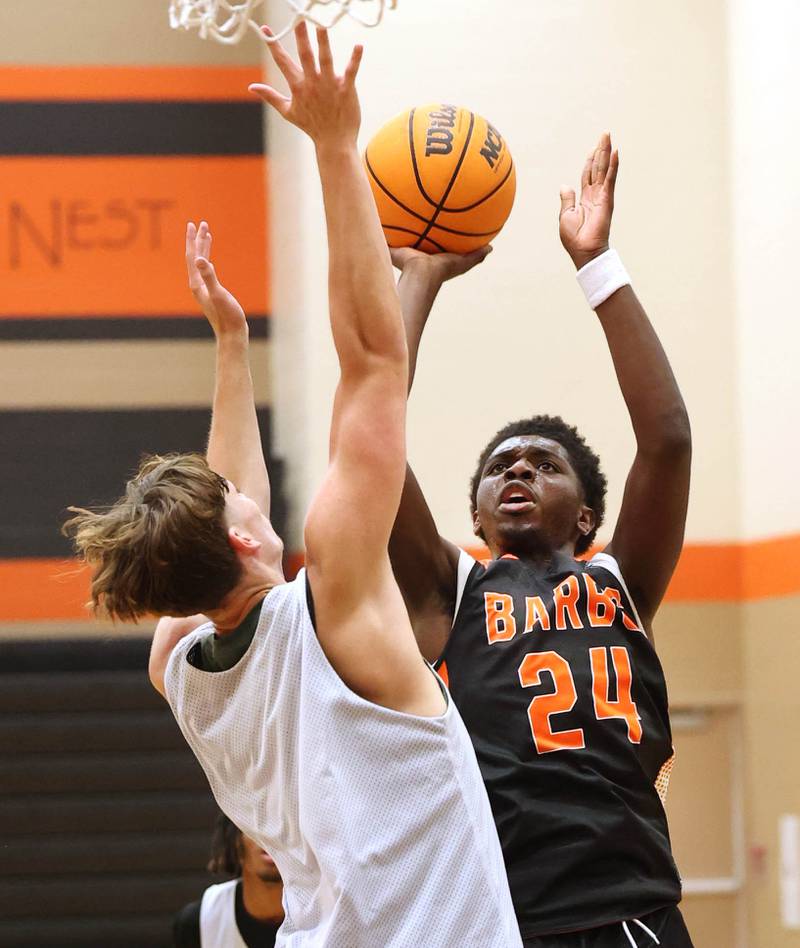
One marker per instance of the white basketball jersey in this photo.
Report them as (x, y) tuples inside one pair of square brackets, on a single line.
[(218, 917), (377, 820)]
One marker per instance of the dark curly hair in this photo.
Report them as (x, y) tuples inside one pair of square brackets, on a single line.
[(585, 462), (226, 848)]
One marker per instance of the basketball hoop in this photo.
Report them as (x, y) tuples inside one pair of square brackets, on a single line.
[(227, 22)]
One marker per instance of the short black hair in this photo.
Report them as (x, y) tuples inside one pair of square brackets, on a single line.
[(585, 462)]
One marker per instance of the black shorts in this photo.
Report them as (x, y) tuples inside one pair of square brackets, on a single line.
[(667, 924)]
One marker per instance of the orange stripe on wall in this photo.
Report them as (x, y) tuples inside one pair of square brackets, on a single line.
[(43, 589), (105, 236), (104, 83), (710, 572), (763, 569), (706, 572), (771, 568)]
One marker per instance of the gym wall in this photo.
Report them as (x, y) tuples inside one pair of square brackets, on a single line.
[(696, 97), (115, 132)]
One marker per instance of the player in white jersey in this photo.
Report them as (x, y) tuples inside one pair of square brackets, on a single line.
[(245, 912), (327, 740)]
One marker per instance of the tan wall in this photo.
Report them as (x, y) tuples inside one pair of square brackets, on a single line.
[(705, 819), (99, 31), (658, 77), (712, 921), (765, 71), (771, 660), (516, 337), (179, 373), (700, 647)]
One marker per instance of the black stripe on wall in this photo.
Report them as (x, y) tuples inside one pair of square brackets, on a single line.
[(52, 459), (58, 328), (131, 128), (78, 655)]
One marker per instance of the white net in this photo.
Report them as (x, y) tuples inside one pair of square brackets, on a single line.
[(227, 22)]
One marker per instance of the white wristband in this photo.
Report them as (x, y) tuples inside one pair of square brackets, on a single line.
[(601, 277)]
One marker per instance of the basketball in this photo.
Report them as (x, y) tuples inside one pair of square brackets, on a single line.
[(443, 179)]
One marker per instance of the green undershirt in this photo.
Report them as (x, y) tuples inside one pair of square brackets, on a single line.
[(217, 653)]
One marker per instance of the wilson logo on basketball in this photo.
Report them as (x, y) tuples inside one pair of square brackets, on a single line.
[(442, 177), (439, 139)]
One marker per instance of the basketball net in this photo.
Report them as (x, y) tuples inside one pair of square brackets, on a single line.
[(227, 22)]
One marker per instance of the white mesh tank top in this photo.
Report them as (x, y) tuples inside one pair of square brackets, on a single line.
[(377, 820), (218, 927)]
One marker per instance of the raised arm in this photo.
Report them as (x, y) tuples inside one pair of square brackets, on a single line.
[(648, 536), (361, 621), (234, 442), (424, 563)]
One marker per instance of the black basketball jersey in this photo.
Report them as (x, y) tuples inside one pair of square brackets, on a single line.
[(565, 700)]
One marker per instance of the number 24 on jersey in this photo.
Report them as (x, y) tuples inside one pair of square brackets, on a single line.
[(565, 697)]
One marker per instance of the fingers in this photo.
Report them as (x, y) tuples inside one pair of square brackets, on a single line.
[(198, 248), (611, 177), (195, 283), (399, 256), (288, 67), (567, 200), (586, 174), (325, 54), (308, 64), (479, 255), (280, 103), (203, 242), (206, 270), (191, 236), (304, 51), (463, 262), (353, 66), (602, 158)]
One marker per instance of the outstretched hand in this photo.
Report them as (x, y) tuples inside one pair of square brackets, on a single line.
[(220, 307), (440, 266), (323, 105), (584, 227)]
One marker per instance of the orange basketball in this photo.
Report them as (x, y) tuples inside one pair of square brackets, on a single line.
[(443, 179)]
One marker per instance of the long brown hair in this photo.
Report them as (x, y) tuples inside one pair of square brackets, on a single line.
[(162, 548)]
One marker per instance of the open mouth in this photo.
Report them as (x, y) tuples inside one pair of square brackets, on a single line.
[(516, 499)]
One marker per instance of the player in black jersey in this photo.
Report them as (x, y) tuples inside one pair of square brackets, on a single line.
[(551, 659)]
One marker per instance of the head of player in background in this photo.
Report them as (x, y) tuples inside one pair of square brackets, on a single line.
[(537, 490), (234, 854), (180, 541)]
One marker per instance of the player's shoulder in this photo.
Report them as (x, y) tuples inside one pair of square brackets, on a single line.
[(186, 926), (475, 572), (603, 562), (487, 566), (485, 561)]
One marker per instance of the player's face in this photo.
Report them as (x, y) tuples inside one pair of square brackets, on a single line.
[(530, 499), (257, 861), (244, 514)]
